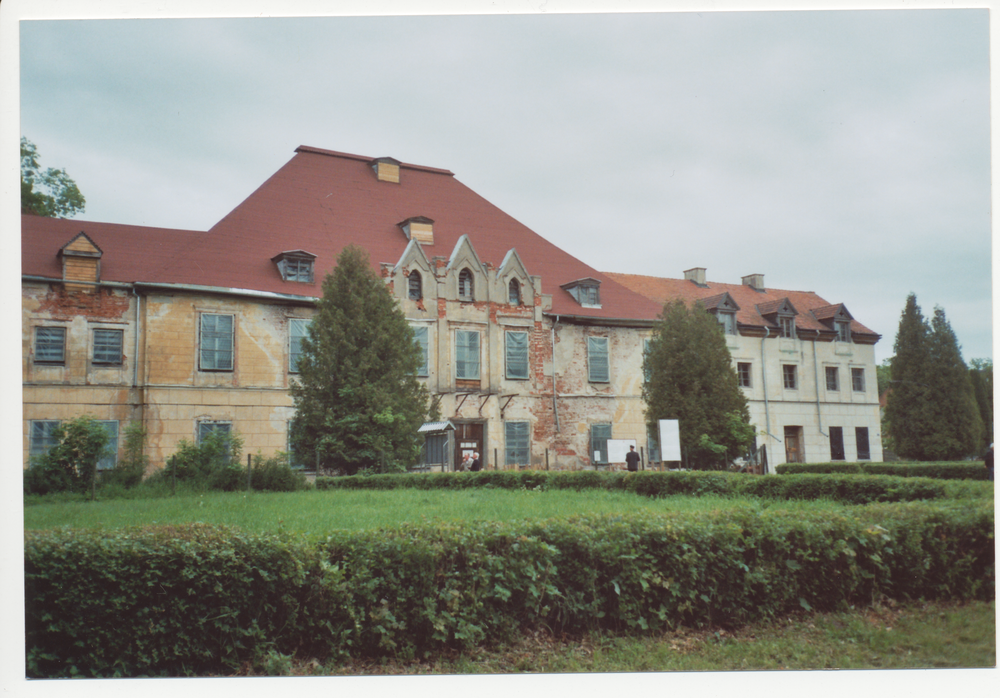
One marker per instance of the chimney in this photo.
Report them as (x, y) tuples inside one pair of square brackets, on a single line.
[(419, 228), (386, 169), (696, 275), (754, 281)]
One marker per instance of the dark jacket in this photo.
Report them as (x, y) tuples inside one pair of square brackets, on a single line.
[(632, 460)]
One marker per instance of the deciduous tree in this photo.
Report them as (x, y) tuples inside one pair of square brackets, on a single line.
[(358, 402), (51, 192), (691, 379)]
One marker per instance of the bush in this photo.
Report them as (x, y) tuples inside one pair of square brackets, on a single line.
[(195, 599), (214, 464), (274, 474), (937, 471), (130, 468), (71, 464)]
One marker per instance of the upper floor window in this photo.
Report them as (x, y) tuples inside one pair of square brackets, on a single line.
[(517, 355), (514, 292), (789, 376), (50, 345), (467, 354), (216, 343), (843, 331), (858, 379), (298, 329), (598, 369), (832, 378), (743, 374), (415, 286), (296, 265), (787, 324), (586, 292), (420, 334), (108, 347), (728, 322), (466, 292)]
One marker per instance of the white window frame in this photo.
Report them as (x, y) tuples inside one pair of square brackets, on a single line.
[(787, 325), (466, 285), (468, 359), (857, 378), (297, 329), (107, 359), (598, 360), (836, 378), (516, 368), (740, 373), (793, 373), (843, 330), (216, 352)]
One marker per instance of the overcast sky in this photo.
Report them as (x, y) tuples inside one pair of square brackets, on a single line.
[(842, 152)]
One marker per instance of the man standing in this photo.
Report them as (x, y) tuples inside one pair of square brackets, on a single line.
[(477, 464), (632, 459)]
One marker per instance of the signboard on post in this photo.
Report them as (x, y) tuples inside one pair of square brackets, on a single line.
[(670, 440), (617, 448)]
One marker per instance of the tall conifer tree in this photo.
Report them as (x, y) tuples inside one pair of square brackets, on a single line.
[(909, 411), (358, 403), (959, 427), (691, 379), (981, 375)]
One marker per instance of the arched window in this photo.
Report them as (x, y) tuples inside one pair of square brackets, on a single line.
[(416, 289), (514, 292), (465, 291)]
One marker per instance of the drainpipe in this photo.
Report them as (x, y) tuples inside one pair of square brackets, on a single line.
[(763, 371), (819, 416), (135, 355), (555, 404)]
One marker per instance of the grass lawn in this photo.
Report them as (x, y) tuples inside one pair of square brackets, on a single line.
[(318, 512)]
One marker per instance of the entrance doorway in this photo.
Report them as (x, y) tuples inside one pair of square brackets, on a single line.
[(468, 440), (793, 445)]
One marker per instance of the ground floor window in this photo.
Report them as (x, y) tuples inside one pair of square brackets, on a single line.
[(599, 436), (41, 438), (436, 449), (206, 428), (836, 443), (109, 461), (652, 444), (516, 443), (864, 450)]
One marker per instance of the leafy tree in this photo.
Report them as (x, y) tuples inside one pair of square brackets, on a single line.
[(691, 379), (50, 193), (981, 376), (931, 411), (357, 399), (883, 374), (71, 464)]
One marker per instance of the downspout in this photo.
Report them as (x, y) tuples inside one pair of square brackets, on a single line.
[(555, 403), (763, 370), (819, 416), (135, 354)]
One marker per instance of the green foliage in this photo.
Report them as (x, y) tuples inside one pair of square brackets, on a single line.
[(201, 599), (274, 474), (931, 413), (981, 377), (214, 464), (358, 403), (71, 464), (936, 471), (50, 193), (130, 468), (691, 379)]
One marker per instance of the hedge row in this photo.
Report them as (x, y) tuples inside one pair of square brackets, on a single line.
[(199, 600), (845, 489), (937, 471)]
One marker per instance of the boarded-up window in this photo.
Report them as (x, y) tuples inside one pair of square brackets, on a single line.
[(467, 354), (517, 355), (516, 440), (597, 360), (216, 342)]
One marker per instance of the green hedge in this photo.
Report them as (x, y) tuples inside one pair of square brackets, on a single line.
[(972, 470), (194, 600), (842, 488)]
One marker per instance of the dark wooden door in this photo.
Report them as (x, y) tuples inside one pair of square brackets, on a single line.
[(793, 444), (468, 439)]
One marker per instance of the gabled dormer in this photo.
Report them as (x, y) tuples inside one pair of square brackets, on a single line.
[(296, 265), (419, 228), (780, 313), (724, 308), (386, 169), (586, 292), (81, 261), (515, 279), (837, 318)]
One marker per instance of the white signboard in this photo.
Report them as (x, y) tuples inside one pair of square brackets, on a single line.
[(617, 448), (670, 440)]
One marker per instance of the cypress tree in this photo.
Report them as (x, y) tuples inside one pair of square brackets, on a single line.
[(958, 425), (357, 399), (691, 379), (909, 410)]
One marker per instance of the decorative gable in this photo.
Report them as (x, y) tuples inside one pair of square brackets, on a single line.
[(466, 271), (81, 261)]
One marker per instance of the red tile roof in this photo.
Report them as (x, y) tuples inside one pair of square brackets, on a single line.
[(320, 202), (753, 303)]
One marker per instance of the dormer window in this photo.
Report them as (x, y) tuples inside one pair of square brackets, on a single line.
[(843, 331), (787, 324), (296, 265), (586, 292), (415, 286), (465, 285), (728, 321), (514, 292)]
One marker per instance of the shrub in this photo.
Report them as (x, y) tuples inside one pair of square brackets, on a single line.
[(70, 464), (937, 471), (274, 474), (130, 468), (213, 464)]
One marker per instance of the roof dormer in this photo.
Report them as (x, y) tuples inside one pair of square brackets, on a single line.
[(81, 261), (586, 292), (781, 313), (296, 265), (419, 228), (386, 169)]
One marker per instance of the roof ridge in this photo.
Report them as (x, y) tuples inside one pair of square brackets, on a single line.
[(363, 158)]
